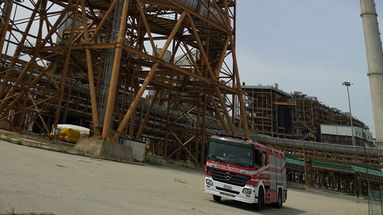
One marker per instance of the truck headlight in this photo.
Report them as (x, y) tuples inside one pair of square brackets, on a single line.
[(246, 191), (209, 182)]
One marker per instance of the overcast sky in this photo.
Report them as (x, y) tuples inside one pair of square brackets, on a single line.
[(309, 46)]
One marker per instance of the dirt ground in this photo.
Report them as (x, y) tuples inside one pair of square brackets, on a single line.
[(35, 180)]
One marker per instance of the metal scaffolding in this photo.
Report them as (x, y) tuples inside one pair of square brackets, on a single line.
[(310, 113), (294, 116), (94, 62), (270, 111)]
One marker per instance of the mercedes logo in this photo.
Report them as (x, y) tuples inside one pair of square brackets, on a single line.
[(227, 176)]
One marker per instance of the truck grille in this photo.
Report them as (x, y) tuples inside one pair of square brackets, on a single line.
[(230, 178), (227, 190)]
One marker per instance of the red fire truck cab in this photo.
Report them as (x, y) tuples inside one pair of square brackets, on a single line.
[(244, 170)]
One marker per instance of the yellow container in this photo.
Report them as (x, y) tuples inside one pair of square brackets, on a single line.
[(69, 135)]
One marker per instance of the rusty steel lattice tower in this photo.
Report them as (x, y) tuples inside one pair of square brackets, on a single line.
[(163, 71)]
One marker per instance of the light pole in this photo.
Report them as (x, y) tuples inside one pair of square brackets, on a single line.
[(348, 84)]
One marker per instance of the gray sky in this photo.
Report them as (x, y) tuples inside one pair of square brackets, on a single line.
[(309, 46)]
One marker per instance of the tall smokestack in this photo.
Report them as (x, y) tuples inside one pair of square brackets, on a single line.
[(375, 64)]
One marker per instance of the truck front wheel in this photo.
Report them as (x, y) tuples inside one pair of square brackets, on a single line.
[(217, 198), (261, 199)]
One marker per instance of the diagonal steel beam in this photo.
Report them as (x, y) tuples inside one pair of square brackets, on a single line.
[(211, 73), (133, 106), (183, 145), (147, 114), (146, 25)]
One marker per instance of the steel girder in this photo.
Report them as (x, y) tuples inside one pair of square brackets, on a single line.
[(115, 65)]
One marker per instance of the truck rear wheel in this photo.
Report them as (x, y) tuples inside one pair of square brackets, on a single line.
[(279, 203), (217, 198), (261, 199)]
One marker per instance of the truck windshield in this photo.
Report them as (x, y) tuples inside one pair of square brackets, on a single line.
[(232, 153)]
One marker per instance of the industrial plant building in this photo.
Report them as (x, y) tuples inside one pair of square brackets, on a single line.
[(298, 116)]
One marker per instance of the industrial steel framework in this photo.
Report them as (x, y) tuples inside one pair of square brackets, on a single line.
[(163, 71), (270, 111), (293, 116), (309, 114)]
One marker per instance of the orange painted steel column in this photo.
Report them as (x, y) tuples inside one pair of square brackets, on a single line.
[(115, 73), (5, 26), (92, 91), (242, 108)]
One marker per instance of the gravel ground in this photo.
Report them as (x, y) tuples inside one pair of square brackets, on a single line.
[(40, 181)]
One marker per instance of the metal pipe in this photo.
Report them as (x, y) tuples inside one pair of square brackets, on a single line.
[(375, 64)]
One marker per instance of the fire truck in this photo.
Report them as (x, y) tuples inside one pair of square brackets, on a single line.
[(241, 169)]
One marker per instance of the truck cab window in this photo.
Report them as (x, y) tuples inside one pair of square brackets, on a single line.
[(264, 158), (257, 157)]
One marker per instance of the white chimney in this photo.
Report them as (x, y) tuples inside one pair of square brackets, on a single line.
[(375, 64)]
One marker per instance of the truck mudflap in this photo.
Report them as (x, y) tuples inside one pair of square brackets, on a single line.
[(243, 194)]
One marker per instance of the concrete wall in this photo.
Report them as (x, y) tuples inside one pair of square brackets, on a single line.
[(346, 131)]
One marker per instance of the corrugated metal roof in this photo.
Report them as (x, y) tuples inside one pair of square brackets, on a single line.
[(260, 87)]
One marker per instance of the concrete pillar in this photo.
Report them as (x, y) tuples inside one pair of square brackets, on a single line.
[(375, 64)]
